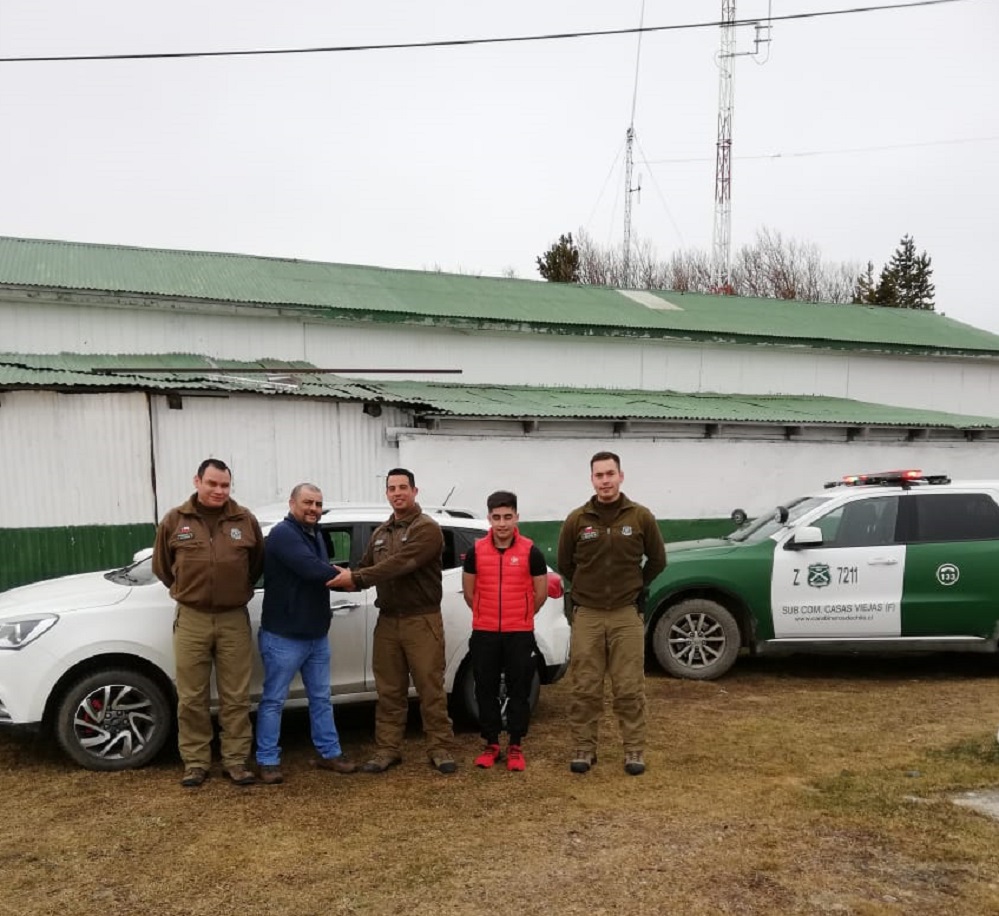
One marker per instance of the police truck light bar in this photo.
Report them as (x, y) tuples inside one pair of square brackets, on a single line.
[(900, 478)]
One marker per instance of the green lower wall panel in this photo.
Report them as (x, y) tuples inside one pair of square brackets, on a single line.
[(31, 554), (545, 534)]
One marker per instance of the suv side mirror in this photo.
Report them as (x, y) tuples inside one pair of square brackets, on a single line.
[(806, 536)]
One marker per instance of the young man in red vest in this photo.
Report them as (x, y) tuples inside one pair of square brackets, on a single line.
[(505, 582)]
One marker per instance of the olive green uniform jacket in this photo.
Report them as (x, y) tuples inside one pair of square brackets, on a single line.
[(403, 560), (604, 562), (209, 566)]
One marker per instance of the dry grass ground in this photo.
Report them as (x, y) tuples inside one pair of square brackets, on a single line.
[(790, 786)]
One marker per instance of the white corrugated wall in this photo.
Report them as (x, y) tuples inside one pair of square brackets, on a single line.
[(74, 459), (675, 478), (955, 385), (272, 443), (90, 459)]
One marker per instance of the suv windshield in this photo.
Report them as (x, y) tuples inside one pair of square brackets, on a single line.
[(767, 524)]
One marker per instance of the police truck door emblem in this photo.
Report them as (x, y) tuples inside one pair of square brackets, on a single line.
[(626, 530), (236, 534), (818, 575), (948, 574)]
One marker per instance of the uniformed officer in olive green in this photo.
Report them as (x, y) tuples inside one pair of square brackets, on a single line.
[(209, 552), (403, 562), (610, 549)]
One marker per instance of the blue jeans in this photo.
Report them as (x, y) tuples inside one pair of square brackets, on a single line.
[(283, 658)]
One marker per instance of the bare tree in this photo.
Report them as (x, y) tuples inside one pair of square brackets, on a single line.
[(771, 267), (777, 269), (646, 270), (839, 282), (689, 271), (597, 266)]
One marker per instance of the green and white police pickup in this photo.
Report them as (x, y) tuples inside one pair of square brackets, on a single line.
[(893, 561)]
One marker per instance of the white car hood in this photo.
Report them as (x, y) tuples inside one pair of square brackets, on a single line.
[(69, 593)]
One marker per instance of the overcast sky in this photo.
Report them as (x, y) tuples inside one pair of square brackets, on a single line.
[(857, 129)]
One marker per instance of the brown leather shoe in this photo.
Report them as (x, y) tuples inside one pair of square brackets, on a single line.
[(380, 763), (443, 762), (270, 774), (240, 775), (194, 777), (341, 764), (634, 763)]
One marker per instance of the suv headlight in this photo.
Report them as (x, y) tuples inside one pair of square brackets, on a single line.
[(16, 634)]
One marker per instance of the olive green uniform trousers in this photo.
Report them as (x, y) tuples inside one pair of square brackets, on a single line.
[(607, 643), (404, 647), (200, 640)]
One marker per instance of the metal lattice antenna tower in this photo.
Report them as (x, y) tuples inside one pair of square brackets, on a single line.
[(629, 165), (722, 247)]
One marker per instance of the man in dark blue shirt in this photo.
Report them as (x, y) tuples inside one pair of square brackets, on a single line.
[(294, 634)]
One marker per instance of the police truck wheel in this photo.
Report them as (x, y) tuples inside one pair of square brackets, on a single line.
[(696, 639), (113, 719)]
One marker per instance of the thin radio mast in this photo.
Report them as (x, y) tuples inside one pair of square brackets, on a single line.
[(722, 245), (629, 164), (721, 258)]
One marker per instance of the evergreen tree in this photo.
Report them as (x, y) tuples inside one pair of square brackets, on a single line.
[(886, 292), (921, 290), (560, 263), (865, 289), (905, 279)]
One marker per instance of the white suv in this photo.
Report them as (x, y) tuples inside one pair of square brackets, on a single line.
[(90, 657)]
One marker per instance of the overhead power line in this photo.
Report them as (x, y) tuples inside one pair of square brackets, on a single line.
[(801, 154), (464, 42), (243, 370)]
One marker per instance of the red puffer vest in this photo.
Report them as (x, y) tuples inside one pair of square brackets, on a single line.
[(504, 589)]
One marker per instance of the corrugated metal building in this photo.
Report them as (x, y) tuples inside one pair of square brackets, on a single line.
[(70, 297), (127, 366)]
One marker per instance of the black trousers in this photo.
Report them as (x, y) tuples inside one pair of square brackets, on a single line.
[(509, 655)]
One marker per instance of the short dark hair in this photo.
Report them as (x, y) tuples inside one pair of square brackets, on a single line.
[(216, 463), (501, 499), (401, 472), (605, 456), (303, 486)]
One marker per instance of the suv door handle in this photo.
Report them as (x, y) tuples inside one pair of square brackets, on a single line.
[(342, 610), (883, 561)]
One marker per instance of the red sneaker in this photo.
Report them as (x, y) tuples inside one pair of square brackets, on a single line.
[(490, 754), (515, 758)]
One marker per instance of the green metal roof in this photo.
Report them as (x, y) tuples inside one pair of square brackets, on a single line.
[(576, 403), (380, 294), (176, 372), (183, 372)]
